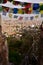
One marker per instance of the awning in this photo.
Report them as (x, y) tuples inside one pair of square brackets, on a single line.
[(30, 1)]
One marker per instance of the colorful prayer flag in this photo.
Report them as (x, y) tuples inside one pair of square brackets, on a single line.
[(20, 18), (31, 18), (35, 6), (15, 10), (20, 11)]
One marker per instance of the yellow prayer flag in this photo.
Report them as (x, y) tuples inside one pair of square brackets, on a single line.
[(41, 12), (20, 11)]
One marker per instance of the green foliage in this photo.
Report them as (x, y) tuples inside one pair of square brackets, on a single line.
[(0, 9), (14, 54), (14, 57), (18, 48)]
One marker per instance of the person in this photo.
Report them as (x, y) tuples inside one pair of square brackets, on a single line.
[(41, 45), (3, 49)]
